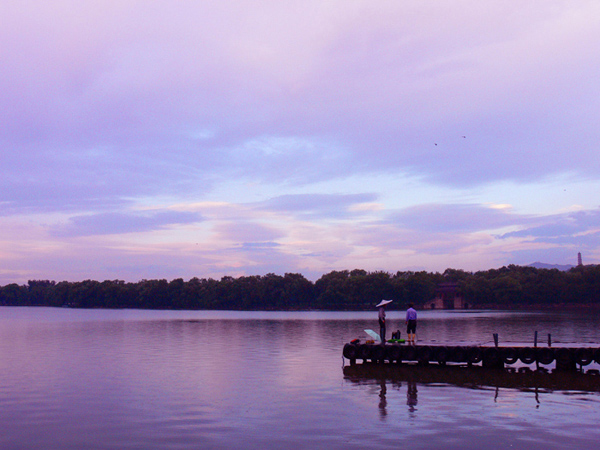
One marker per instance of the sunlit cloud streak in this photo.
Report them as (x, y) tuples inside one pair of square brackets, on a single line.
[(580, 228), (319, 206), (451, 218), (119, 223)]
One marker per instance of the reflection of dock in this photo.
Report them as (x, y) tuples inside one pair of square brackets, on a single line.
[(473, 377), (494, 356)]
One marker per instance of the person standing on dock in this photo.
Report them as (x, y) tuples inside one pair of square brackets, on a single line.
[(381, 307), (411, 323)]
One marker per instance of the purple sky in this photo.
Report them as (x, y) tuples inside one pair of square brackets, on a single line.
[(167, 139)]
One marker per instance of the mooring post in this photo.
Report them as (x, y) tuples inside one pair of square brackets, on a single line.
[(537, 363), (549, 340), (496, 339)]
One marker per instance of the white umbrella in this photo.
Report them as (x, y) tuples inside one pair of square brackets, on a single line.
[(383, 303), (374, 335)]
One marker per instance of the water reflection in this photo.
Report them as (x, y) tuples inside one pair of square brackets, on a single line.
[(497, 382), (411, 396), (177, 380), (382, 399)]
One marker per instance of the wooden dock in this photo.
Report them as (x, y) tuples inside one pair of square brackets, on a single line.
[(490, 356)]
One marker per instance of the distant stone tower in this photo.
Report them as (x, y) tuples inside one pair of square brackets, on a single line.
[(579, 261)]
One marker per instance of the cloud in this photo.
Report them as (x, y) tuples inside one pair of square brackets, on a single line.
[(122, 223), (291, 116), (445, 229), (322, 206), (288, 160), (259, 246), (452, 218), (581, 228), (374, 90), (246, 231)]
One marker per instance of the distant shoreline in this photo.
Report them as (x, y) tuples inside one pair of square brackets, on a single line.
[(530, 308), (512, 288)]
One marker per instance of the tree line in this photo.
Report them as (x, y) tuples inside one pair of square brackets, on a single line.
[(507, 287)]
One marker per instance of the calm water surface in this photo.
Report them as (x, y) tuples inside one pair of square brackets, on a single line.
[(104, 379)]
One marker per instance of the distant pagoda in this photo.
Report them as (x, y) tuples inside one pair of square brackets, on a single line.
[(447, 296), (579, 261)]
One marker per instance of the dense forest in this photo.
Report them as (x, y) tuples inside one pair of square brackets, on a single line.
[(507, 287)]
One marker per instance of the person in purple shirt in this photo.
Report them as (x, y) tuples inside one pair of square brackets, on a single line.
[(411, 323)]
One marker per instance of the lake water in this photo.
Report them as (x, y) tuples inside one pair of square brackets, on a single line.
[(126, 379)]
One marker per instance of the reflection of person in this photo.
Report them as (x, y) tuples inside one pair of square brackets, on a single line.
[(381, 307), (411, 396), (382, 399), (411, 323)]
